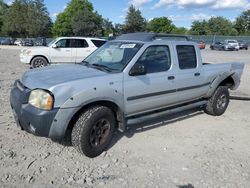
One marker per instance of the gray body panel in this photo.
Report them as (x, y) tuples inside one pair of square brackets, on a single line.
[(75, 86)]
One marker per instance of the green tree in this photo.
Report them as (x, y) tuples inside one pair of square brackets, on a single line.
[(38, 20), (118, 29), (242, 24), (27, 18), (180, 30), (107, 27), (220, 26), (15, 19), (63, 23), (87, 23), (160, 25), (3, 9), (199, 28), (134, 21)]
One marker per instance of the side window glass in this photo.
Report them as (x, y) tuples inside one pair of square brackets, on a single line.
[(156, 59), (78, 43), (62, 43), (186, 56), (84, 43), (98, 43)]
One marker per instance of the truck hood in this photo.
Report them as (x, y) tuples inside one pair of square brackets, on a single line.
[(53, 75)]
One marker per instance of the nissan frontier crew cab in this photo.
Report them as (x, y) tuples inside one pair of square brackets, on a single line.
[(134, 75)]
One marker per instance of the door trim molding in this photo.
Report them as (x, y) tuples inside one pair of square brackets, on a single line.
[(166, 92)]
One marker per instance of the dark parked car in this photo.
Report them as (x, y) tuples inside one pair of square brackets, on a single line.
[(243, 44), (27, 42), (221, 46), (7, 41), (40, 41)]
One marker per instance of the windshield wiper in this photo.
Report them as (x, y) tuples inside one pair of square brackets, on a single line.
[(104, 67), (85, 63)]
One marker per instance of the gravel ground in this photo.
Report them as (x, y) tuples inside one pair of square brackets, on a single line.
[(186, 150)]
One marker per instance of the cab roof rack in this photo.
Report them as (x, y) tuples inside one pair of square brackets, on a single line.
[(146, 37)]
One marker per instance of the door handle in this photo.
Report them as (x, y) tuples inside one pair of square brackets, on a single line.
[(171, 77), (67, 50), (197, 74)]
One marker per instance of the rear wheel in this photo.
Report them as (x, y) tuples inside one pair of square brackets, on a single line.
[(38, 62), (219, 101), (93, 131)]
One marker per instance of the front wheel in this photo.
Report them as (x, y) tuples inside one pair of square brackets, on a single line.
[(38, 62), (93, 131), (219, 101)]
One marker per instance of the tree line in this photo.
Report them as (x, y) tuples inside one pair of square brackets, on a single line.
[(30, 18)]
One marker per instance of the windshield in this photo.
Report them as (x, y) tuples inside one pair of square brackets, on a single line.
[(113, 56), (51, 42), (231, 41)]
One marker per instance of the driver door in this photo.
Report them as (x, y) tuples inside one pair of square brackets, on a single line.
[(156, 88), (62, 53)]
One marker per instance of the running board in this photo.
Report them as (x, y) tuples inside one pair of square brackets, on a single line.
[(165, 111)]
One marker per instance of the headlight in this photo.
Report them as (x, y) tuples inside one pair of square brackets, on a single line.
[(41, 99), (26, 52)]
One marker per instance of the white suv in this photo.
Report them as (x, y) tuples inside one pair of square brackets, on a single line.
[(61, 50), (233, 43)]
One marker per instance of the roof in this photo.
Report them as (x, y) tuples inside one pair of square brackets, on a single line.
[(91, 38), (146, 37)]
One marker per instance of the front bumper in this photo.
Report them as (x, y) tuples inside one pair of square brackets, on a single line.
[(229, 48), (29, 118), (25, 58), (243, 46)]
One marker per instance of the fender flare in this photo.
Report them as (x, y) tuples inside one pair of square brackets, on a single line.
[(65, 115), (216, 82)]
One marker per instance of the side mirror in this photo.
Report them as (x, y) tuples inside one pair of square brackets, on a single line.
[(137, 70), (54, 46)]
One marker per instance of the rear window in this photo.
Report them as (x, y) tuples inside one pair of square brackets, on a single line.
[(98, 43), (186, 56), (78, 43)]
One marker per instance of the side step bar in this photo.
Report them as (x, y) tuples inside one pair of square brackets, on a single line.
[(165, 111)]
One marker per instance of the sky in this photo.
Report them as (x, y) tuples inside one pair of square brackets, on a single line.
[(181, 12)]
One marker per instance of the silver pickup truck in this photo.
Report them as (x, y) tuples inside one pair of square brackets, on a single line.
[(134, 75)]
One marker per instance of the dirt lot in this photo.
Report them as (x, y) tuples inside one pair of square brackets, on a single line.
[(186, 150)]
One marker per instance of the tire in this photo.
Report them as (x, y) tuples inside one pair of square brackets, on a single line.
[(219, 101), (93, 131), (38, 62)]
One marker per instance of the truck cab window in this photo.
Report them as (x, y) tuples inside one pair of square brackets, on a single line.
[(186, 56), (156, 59)]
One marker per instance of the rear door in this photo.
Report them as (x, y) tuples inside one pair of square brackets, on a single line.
[(81, 49), (154, 90), (190, 79), (62, 53)]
